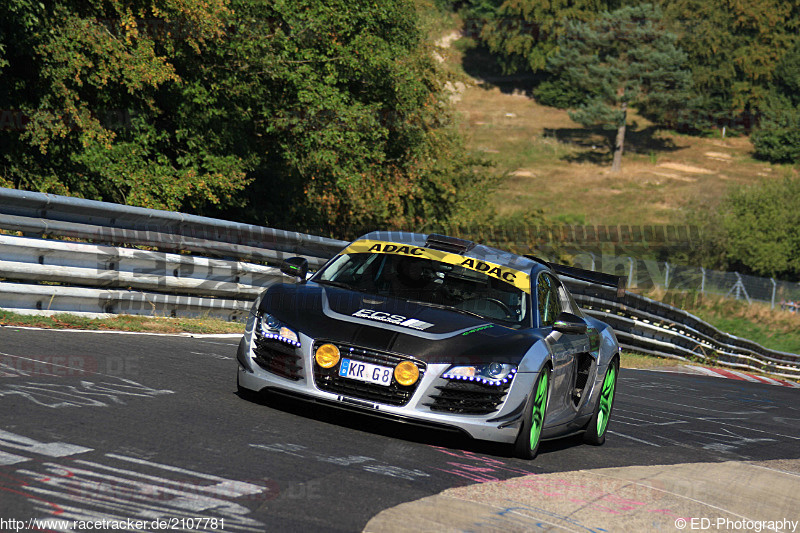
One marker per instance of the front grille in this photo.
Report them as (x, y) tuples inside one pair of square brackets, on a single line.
[(277, 357), (467, 397), (329, 380)]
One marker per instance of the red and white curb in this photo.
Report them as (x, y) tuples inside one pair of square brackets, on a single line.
[(733, 374)]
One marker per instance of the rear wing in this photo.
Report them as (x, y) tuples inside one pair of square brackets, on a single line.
[(590, 276)]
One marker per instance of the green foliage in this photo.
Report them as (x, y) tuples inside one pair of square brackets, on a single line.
[(554, 93), (349, 108), (310, 112), (786, 80), (524, 33), (755, 230), (89, 87), (762, 227), (733, 48), (624, 58), (777, 137)]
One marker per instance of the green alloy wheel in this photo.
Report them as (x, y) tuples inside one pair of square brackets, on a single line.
[(596, 430), (527, 443)]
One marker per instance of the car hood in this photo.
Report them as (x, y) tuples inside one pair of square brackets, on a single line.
[(388, 324)]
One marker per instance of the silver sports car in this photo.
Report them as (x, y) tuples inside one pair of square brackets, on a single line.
[(438, 331)]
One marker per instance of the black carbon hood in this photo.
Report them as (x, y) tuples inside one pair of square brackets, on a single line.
[(387, 324)]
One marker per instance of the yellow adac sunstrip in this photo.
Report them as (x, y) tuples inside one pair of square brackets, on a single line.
[(517, 278)]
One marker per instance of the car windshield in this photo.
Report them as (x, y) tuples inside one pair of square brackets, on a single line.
[(428, 282)]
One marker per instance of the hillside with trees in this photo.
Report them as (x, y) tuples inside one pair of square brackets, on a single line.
[(708, 92), (733, 49)]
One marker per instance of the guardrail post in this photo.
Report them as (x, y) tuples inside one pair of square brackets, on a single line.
[(666, 276)]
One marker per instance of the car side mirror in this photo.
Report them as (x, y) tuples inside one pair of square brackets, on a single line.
[(295, 267), (569, 324)]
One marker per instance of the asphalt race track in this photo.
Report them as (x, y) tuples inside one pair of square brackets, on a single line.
[(144, 427)]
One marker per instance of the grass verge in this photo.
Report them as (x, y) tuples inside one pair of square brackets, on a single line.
[(641, 361), (123, 323)]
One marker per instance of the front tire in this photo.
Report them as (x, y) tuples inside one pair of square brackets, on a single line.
[(598, 426), (527, 444)]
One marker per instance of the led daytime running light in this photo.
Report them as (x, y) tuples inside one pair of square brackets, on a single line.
[(271, 328), (278, 337), (482, 380)]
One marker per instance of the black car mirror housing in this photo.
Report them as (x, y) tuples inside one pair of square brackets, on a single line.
[(295, 267), (569, 324)]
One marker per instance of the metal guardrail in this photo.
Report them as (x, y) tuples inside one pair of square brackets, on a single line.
[(81, 264), (94, 279), (37, 213), (115, 279), (155, 283), (644, 325), (49, 300)]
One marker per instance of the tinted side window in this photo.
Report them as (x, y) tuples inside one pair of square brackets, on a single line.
[(548, 300)]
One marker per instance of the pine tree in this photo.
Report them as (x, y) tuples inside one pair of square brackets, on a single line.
[(624, 58), (523, 33), (777, 137)]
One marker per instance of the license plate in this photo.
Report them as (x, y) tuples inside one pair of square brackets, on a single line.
[(380, 375)]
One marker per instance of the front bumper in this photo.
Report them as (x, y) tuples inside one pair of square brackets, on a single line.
[(502, 425)]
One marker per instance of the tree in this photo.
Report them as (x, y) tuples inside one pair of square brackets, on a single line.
[(624, 58), (348, 115), (307, 112), (523, 33), (777, 137), (761, 228), (84, 89), (733, 49)]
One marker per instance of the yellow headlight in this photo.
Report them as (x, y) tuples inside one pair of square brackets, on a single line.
[(406, 373), (327, 356)]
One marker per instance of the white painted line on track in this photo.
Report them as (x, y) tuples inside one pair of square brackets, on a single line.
[(250, 488), (634, 439), (50, 449), (225, 488), (11, 459)]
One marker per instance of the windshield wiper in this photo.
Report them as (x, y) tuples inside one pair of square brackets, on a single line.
[(342, 285), (448, 308), (334, 283)]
